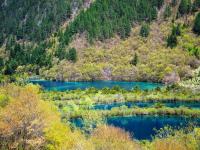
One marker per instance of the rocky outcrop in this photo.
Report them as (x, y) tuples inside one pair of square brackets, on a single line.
[(171, 78)]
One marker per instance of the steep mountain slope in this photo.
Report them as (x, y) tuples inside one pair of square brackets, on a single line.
[(34, 20), (106, 40)]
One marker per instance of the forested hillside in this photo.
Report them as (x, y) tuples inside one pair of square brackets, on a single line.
[(106, 18), (68, 40), (32, 20)]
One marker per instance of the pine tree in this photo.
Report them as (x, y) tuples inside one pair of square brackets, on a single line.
[(134, 61), (185, 7), (144, 31), (72, 55), (172, 41), (167, 12), (196, 27), (196, 5), (176, 30)]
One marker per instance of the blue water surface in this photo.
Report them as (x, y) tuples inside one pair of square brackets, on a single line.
[(144, 127), (171, 104), (63, 86)]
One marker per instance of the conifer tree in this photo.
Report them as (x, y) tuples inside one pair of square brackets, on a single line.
[(144, 31), (196, 27), (72, 55), (134, 61), (185, 7)]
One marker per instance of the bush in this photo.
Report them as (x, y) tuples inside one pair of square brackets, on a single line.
[(112, 138)]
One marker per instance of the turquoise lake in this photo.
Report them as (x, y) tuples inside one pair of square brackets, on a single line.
[(171, 104), (145, 127), (63, 86)]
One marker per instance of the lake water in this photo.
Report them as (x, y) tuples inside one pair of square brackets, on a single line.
[(193, 105), (144, 127), (62, 86)]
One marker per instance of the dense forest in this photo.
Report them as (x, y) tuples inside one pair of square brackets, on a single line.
[(32, 20), (32, 41), (106, 18)]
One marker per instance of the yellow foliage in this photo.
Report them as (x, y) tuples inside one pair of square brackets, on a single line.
[(111, 138)]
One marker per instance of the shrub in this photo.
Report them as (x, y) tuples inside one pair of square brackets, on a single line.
[(112, 138)]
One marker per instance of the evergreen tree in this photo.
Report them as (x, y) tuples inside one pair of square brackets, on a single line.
[(106, 18), (196, 5), (144, 31), (167, 12), (60, 53), (172, 41), (176, 30), (72, 55), (185, 7), (134, 61), (196, 27), (174, 3)]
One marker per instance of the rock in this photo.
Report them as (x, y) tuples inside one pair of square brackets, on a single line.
[(171, 78)]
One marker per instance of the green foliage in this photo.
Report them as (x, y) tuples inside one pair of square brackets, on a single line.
[(60, 53), (172, 38), (72, 55), (135, 60), (196, 5), (185, 7), (32, 20), (176, 30), (4, 100), (20, 55), (172, 41), (144, 31), (194, 51), (196, 27), (174, 3), (106, 18), (167, 12)]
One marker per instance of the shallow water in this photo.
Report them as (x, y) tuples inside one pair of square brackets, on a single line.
[(62, 86), (193, 105)]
